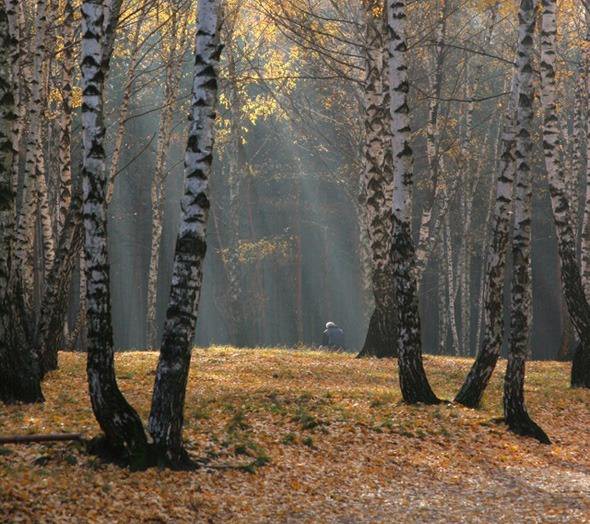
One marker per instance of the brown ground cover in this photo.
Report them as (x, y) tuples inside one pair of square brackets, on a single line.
[(302, 436)]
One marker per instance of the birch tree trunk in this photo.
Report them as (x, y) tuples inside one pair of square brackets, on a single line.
[(235, 168), (35, 154), (413, 381), (77, 338), (427, 233), (173, 71), (55, 302), (585, 236), (166, 416), (17, 52), (577, 303), (574, 169), (20, 380), (515, 412), (477, 380), (123, 111), (25, 234), (377, 178), (46, 221), (486, 244), (121, 424), (450, 292), (65, 122), (442, 286)]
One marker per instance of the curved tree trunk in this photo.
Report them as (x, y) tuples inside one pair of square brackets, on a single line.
[(486, 244), (577, 303), (477, 380), (121, 424), (515, 412), (413, 381), (167, 412)]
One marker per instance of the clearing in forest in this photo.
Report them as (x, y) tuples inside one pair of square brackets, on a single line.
[(302, 436)]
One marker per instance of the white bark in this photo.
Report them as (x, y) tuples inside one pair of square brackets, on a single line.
[(413, 381), (34, 162), (585, 237), (117, 419), (19, 374), (577, 303), (451, 292), (481, 371), (377, 188), (166, 416), (65, 121), (174, 62), (17, 51), (521, 289), (435, 161)]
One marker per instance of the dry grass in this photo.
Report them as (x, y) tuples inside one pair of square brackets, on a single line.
[(307, 437)]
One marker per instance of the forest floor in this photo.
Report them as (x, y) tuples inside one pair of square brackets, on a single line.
[(302, 436)]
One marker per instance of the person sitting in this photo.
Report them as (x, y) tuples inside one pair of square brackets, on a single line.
[(333, 337)]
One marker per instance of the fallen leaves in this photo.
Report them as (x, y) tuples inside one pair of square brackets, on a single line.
[(306, 437)]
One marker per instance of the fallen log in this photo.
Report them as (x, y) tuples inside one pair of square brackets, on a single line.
[(28, 439)]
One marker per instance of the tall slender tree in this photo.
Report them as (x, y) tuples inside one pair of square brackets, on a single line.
[(65, 122), (377, 181), (577, 302), (19, 371), (174, 63), (413, 381), (477, 380), (14, 13), (167, 412), (34, 161), (427, 232), (125, 105), (119, 421), (515, 412), (585, 233)]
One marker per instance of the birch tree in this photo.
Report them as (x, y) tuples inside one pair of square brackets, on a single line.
[(427, 232), (477, 380), (17, 53), (65, 121), (174, 62), (124, 106), (585, 234), (120, 423), (166, 416), (577, 303), (34, 163), (413, 381), (377, 180), (19, 373), (515, 412), (235, 175)]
